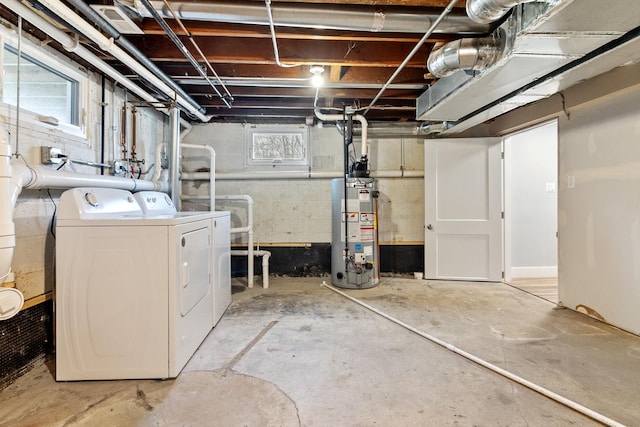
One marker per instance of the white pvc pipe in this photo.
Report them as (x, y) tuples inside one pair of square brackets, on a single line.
[(174, 156), (201, 176), (7, 227), (211, 174), (237, 176), (15, 176), (107, 44), (535, 387), (249, 228), (157, 172), (339, 117), (36, 177), (265, 263)]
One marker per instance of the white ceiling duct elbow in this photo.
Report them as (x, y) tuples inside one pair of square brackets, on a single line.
[(467, 54), (487, 11)]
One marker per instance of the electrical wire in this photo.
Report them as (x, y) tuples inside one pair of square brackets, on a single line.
[(52, 229)]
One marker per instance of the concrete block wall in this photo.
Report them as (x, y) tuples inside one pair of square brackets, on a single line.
[(294, 211)]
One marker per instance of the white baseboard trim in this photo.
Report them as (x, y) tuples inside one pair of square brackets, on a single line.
[(525, 272)]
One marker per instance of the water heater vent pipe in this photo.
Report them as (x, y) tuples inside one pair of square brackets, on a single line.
[(339, 117)]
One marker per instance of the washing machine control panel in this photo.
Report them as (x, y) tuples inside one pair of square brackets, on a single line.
[(84, 203)]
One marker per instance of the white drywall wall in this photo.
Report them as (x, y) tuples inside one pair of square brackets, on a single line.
[(599, 208)]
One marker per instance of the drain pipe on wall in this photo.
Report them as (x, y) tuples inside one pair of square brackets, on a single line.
[(265, 263), (530, 385)]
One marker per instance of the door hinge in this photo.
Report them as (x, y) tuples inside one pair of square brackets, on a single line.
[(502, 155), (503, 274), (502, 214)]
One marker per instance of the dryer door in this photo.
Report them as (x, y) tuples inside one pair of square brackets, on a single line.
[(195, 268)]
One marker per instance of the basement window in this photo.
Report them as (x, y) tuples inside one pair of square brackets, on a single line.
[(277, 146), (51, 92)]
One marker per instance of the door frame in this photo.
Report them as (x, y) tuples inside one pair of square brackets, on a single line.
[(507, 194)]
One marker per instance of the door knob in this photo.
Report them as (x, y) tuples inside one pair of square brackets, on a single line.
[(429, 227)]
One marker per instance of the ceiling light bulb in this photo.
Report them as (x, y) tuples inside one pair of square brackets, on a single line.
[(316, 78)]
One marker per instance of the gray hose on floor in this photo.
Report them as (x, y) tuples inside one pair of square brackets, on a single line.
[(535, 387)]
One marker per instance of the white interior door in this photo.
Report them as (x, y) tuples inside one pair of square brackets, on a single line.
[(463, 211)]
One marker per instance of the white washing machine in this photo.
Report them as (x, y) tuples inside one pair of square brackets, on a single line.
[(155, 204), (133, 294)]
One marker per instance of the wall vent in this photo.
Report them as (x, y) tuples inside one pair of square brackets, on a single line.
[(118, 19)]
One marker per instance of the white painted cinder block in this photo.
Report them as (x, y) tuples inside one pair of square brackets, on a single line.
[(299, 210)]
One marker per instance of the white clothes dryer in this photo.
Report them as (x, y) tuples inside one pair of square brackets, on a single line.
[(154, 203), (133, 294)]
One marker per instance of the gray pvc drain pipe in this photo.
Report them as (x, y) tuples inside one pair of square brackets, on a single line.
[(513, 377)]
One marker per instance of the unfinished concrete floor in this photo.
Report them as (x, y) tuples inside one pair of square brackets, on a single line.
[(299, 354)]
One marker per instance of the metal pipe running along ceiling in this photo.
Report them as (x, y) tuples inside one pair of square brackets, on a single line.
[(339, 17)]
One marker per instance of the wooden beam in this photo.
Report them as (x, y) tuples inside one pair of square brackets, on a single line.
[(199, 29), (303, 52)]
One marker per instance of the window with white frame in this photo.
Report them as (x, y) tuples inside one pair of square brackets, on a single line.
[(46, 90), (277, 146)]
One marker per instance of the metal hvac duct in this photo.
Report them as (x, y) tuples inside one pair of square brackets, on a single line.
[(338, 17), (487, 11), (466, 54), (550, 45)]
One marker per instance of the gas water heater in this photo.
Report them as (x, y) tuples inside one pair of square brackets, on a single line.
[(354, 247)]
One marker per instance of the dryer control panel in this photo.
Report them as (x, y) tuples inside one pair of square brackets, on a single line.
[(155, 203)]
